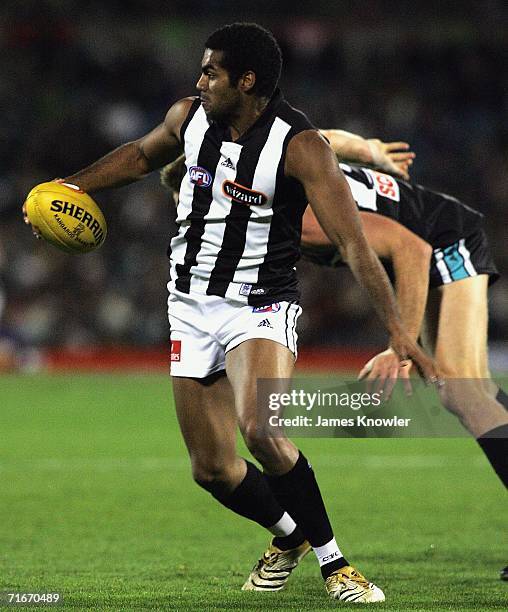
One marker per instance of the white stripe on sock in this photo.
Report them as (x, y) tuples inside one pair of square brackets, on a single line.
[(284, 527), (327, 553)]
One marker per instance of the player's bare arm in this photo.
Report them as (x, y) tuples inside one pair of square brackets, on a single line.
[(409, 254), (134, 160), (410, 257), (311, 161), (392, 157)]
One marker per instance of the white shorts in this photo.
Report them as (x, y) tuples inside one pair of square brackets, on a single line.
[(203, 328)]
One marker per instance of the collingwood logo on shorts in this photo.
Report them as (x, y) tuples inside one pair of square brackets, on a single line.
[(243, 195), (275, 307)]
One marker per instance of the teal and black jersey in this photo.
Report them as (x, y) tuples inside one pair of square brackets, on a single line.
[(436, 217), (453, 229)]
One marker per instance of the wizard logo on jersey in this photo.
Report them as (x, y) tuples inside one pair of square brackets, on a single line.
[(243, 195)]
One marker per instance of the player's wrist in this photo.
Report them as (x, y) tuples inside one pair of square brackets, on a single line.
[(398, 337), (376, 155)]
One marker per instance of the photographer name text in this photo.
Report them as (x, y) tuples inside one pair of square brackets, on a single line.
[(357, 421)]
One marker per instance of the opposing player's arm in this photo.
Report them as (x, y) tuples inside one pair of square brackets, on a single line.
[(409, 254), (392, 157), (134, 160), (410, 257), (312, 162)]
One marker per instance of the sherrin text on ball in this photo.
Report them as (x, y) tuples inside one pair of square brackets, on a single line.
[(66, 217)]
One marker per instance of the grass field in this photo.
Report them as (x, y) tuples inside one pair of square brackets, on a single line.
[(97, 503)]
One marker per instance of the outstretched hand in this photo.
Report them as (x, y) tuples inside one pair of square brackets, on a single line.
[(391, 157), (383, 371)]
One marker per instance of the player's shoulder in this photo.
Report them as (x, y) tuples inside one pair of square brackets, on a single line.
[(307, 141), (179, 114), (294, 117), (181, 108), (307, 154)]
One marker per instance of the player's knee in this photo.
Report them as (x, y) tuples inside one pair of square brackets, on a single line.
[(450, 400), (255, 438), (461, 396), (269, 451), (210, 475)]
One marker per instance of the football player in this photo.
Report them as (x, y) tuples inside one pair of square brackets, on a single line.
[(254, 163)]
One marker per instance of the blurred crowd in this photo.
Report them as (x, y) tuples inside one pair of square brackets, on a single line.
[(77, 81)]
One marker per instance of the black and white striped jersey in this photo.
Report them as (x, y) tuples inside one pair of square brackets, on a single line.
[(239, 218)]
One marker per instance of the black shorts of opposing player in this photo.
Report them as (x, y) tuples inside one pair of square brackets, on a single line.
[(464, 258)]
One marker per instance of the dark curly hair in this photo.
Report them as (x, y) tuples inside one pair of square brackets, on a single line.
[(248, 46)]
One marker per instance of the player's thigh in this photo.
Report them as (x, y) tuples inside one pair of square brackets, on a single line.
[(251, 363), (455, 327), (260, 343), (207, 418)]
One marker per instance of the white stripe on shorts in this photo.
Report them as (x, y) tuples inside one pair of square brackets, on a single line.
[(441, 266), (466, 256)]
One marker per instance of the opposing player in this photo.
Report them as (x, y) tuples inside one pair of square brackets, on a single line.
[(252, 164), (434, 241)]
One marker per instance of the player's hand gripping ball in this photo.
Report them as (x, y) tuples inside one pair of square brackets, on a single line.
[(66, 216)]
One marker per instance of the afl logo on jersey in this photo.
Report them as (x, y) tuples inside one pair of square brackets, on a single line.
[(243, 195), (199, 176)]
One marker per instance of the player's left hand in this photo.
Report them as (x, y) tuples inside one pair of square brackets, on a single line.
[(382, 372), (35, 229), (392, 157)]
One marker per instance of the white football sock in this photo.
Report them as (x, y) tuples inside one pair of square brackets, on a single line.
[(328, 552), (284, 527)]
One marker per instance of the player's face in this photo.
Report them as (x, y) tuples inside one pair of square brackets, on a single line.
[(219, 98)]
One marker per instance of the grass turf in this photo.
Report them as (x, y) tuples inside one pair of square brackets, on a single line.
[(97, 503)]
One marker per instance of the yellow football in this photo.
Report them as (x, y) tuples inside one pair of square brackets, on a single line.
[(66, 216)]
